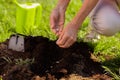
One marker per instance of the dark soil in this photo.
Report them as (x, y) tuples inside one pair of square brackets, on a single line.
[(44, 60)]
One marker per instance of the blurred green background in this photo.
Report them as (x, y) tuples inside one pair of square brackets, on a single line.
[(106, 49)]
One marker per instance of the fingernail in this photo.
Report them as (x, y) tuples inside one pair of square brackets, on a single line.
[(57, 41), (57, 29)]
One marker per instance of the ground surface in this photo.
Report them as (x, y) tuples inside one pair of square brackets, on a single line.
[(44, 60)]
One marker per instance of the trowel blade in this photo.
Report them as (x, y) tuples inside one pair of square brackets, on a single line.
[(16, 43)]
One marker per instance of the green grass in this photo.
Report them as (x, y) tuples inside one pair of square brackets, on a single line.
[(107, 49), (7, 17)]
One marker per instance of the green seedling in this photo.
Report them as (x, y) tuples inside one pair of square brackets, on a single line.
[(24, 62)]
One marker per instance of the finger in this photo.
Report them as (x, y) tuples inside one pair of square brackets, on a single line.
[(62, 40), (52, 22), (53, 26), (62, 19), (60, 29), (61, 22), (57, 32), (60, 37), (68, 43), (54, 31)]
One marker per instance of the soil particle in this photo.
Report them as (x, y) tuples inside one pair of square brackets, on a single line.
[(44, 60)]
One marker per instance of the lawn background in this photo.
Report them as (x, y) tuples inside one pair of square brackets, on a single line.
[(106, 49)]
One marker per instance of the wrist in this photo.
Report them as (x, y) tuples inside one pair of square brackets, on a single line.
[(62, 5), (79, 18), (76, 23)]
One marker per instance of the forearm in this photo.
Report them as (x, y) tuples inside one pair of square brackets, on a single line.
[(62, 4), (86, 8)]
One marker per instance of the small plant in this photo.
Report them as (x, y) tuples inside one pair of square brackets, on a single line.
[(7, 59), (114, 75), (24, 62)]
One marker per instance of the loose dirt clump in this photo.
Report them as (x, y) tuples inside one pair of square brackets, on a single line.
[(44, 60)]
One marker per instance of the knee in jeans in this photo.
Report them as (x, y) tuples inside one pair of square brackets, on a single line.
[(108, 30), (106, 25)]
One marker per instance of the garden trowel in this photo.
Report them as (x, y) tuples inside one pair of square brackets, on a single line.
[(28, 18), (16, 43)]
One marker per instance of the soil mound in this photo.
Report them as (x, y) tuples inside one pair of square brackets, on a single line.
[(44, 60)]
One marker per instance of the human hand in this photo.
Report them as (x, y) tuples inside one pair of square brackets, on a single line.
[(57, 20), (68, 36)]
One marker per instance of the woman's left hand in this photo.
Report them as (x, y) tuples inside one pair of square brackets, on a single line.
[(68, 36)]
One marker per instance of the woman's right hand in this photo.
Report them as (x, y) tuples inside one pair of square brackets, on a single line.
[(57, 20)]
